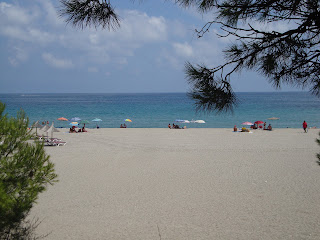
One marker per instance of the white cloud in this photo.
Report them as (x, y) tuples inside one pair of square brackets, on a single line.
[(51, 13), (18, 54), (183, 49), (14, 14), (139, 27), (56, 62), (21, 24), (96, 46)]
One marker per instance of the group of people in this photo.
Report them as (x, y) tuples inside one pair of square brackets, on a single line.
[(74, 130), (175, 126), (123, 126), (255, 126)]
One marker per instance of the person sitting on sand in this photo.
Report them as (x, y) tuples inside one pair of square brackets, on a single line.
[(173, 125), (244, 130), (73, 130), (269, 127), (124, 125), (121, 126), (169, 126), (235, 129)]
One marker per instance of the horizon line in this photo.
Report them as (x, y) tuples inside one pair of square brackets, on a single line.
[(140, 92)]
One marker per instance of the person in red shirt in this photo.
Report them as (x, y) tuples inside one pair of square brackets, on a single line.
[(305, 126)]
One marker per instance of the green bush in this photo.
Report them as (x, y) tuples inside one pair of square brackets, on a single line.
[(25, 171)]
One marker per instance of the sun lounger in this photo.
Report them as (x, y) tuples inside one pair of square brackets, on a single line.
[(55, 143)]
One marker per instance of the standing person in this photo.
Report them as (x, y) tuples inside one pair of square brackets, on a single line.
[(305, 126)]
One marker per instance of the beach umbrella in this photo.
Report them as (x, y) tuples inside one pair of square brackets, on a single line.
[(96, 120), (128, 120), (52, 129), (199, 121), (45, 127), (36, 125), (84, 121), (247, 123), (75, 119), (273, 118), (182, 121), (259, 122), (62, 119), (74, 123)]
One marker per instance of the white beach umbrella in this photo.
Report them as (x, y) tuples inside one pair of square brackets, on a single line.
[(51, 129), (199, 121)]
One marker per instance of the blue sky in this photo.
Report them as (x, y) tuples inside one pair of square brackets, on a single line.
[(40, 53)]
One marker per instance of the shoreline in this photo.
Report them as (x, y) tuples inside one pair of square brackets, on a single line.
[(200, 183)]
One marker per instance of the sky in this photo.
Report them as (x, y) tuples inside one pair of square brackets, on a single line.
[(40, 53)]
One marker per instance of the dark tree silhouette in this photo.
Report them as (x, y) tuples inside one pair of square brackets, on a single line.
[(287, 57), (87, 13)]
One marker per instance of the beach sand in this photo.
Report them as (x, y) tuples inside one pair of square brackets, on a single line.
[(183, 184)]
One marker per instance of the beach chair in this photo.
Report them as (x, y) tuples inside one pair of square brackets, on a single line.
[(55, 142)]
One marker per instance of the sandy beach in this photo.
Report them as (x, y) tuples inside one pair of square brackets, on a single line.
[(183, 184)]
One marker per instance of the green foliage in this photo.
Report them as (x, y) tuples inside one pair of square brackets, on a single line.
[(209, 92), (25, 171)]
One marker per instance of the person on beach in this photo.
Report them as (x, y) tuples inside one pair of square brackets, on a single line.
[(264, 126), (73, 130), (269, 127), (235, 129), (83, 128), (121, 126), (169, 126), (124, 125), (305, 126)]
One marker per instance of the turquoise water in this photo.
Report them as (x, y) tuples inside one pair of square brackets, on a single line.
[(156, 110)]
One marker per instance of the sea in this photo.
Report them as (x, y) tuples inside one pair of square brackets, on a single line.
[(157, 110)]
